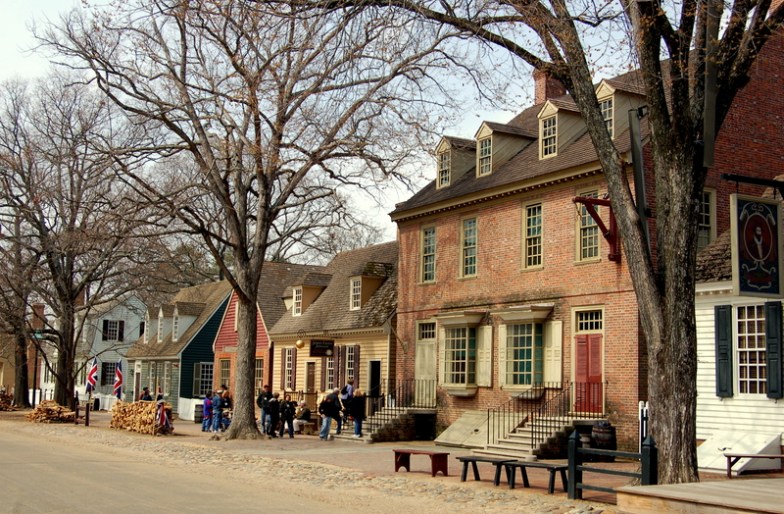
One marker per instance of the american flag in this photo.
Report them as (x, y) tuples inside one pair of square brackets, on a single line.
[(92, 375), (118, 380)]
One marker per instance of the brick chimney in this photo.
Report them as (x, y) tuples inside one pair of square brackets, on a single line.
[(546, 87), (37, 321)]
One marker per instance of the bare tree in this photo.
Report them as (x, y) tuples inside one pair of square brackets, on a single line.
[(276, 111), (67, 211), (558, 38)]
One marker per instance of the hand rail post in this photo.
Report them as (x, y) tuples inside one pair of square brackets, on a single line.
[(575, 461), (649, 462)]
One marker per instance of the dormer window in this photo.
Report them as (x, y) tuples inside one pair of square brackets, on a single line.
[(485, 156), (606, 106), (160, 326), (355, 293), (444, 169), (549, 139), (175, 327), (297, 308)]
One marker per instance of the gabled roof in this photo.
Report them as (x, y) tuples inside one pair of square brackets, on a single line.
[(714, 262), (211, 296), (459, 142), (276, 278), (504, 128), (189, 308), (330, 311), (523, 170)]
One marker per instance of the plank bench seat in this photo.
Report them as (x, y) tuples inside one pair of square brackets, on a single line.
[(498, 462), (308, 428), (438, 460), (733, 458), (523, 464)]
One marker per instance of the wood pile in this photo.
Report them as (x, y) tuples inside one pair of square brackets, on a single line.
[(141, 417), (5, 402), (48, 411)]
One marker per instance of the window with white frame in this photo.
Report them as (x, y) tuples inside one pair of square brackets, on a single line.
[(202, 378), (356, 293), (107, 373), (166, 390), (444, 168), (330, 373), (351, 363), (588, 238), (469, 243), (288, 368), (225, 372), (297, 308), (160, 327), (752, 350), (532, 246), (549, 136), (485, 156), (606, 106), (113, 330), (429, 254), (426, 331), (705, 225), (175, 327), (258, 375), (590, 321), (524, 357), (460, 355)]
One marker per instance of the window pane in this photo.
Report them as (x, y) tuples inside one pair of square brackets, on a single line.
[(752, 354), (533, 235)]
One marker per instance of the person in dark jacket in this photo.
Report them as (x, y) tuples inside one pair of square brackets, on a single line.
[(357, 411), (217, 411), (273, 416), (302, 417), (329, 410), (287, 410), (262, 401)]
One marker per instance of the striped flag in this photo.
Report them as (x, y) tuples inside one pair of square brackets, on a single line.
[(92, 376), (118, 380)]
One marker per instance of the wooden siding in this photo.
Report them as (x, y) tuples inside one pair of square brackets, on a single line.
[(741, 412), (199, 349)]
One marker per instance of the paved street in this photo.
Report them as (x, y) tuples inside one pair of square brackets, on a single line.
[(68, 468), (38, 476)]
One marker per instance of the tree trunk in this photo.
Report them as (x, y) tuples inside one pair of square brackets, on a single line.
[(21, 381), (243, 423)]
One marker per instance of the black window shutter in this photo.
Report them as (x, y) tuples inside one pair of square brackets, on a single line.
[(121, 330), (105, 333), (356, 366), (773, 347), (723, 320)]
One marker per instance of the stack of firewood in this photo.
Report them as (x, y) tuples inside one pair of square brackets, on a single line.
[(141, 416), (5, 402), (48, 411)]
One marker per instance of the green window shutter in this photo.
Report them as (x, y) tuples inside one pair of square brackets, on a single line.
[(723, 321), (773, 347)]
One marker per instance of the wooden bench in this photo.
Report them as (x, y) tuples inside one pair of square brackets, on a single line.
[(523, 464), (498, 462), (733, 458), (308, 428), (438, 460)]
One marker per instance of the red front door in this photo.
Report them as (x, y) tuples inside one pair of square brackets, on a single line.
[(588, 393)]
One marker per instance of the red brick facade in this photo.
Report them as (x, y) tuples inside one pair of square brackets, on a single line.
[(750, 143)]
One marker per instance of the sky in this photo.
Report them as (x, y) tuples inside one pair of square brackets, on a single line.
[(18, 60)]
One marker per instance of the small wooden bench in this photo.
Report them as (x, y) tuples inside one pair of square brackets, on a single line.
[(438, 460), (733, 458), (523, 464), (308, 428), (498, 462)]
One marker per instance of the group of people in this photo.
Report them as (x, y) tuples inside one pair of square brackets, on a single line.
[(216, 409), (342, 405), (281, 416)]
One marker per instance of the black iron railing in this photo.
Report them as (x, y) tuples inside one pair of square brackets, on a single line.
[(546, 408), (388, 400)]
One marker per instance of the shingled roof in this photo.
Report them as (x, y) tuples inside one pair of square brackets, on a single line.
[(525, 168), (203, 301), (714, 262), (330, 311), (276, 279)]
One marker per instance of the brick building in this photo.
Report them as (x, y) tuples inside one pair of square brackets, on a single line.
[(507, 286)]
